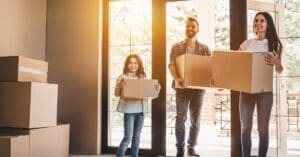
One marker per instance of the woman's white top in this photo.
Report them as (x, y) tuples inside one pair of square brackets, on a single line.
[(255, 45)]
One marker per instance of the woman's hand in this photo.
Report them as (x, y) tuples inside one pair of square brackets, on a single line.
[(271, 58)]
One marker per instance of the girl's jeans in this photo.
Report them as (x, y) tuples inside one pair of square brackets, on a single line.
[(133, 123)]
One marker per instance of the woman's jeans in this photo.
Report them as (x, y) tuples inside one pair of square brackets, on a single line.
[(188, 99), (133, 123), (264, 102)]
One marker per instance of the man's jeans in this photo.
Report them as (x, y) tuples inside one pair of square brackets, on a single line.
[(264, 103), (191, 99), (133, 123)]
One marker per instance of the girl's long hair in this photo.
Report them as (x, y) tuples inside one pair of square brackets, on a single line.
[(274, 44), (140, 72)]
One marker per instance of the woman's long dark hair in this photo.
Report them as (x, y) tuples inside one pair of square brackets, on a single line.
[(274, 43), (140, 72)]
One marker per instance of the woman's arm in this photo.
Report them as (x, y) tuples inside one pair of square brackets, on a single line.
[(278, 66)]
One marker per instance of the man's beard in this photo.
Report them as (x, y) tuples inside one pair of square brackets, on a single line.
[(190, 34)]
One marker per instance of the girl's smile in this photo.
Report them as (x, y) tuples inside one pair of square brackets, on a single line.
[(133, 65)]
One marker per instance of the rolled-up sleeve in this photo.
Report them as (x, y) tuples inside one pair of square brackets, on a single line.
[(173, 55), (244, 45), (209, 53)]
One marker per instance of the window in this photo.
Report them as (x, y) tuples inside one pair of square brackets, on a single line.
[(130, 26)]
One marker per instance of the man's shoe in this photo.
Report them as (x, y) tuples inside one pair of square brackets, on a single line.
[(192, 152), (180, 153)]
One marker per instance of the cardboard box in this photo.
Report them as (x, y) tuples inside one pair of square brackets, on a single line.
[(28, 104), (242, 71), (139, 89), (50, 142), (45, 142), (221, 70), (195, 70), (14, 145), (22, 69)]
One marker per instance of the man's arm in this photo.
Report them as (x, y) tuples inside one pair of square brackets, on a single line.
[(173, 71), (172, 68), (177, 80)]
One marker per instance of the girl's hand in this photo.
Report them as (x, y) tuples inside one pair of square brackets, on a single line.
[(157, 87), (271, 58), (120, 85)]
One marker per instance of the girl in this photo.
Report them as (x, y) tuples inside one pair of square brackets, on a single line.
[(266, 40), (134, 109)]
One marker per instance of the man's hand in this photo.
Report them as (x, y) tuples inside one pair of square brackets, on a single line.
[(178, 83)]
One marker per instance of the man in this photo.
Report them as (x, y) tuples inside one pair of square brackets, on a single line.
[(187, 99)]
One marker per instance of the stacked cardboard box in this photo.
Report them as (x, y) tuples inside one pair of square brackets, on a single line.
[(22, 69), (235, 70), (14, 145), (28, 111)]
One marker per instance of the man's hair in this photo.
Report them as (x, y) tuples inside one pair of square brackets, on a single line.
[(192, 19)]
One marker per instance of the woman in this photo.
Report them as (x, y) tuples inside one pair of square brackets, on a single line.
[(266, 40)]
